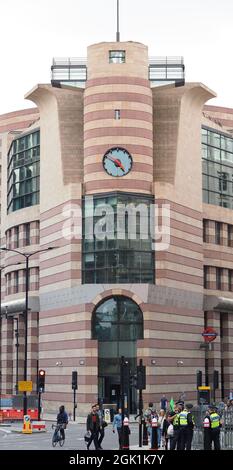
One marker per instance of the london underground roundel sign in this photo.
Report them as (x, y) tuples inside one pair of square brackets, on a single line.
[(209, 334)]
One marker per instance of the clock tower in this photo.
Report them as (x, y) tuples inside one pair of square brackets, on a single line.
[(118, 137)]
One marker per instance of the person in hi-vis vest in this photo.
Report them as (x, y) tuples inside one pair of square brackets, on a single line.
[(212, 425)]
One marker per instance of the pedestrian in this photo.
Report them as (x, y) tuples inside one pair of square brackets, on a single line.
[(186, 422), (117, 426), (174, 419), (165, 436), (161, 419), (163, 403), (102, 425), (149, 413), (93, 425), (215, 426)]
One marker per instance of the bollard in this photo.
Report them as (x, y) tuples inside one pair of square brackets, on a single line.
[(154, 434), (126, 432), (27, 428), (145, 433), (207, 431)]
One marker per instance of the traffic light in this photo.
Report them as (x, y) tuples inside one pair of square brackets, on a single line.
[(41, 380), (125, 375), (199, 378), (141, 377), (215, 379), (74, 380), (133, 381)]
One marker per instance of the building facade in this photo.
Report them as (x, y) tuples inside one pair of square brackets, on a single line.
[(114, 134)]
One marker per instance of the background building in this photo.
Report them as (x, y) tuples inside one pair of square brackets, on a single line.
[(92, 301)]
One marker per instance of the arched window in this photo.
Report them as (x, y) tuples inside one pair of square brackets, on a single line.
[(117, 319)]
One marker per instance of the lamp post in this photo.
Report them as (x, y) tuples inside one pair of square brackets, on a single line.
[(26, 256)]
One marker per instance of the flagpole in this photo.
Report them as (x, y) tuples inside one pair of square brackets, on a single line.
[(118, 22)]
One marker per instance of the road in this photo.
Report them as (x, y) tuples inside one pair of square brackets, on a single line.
[(74, 439)]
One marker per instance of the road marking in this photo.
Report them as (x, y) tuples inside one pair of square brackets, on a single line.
[(6, 431)]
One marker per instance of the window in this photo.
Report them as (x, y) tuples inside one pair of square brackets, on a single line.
[(113, 258), (230, 280), (117, 114), (205, 277), (218, 233), (16, 282), (205, 230), (116, 57), (218, 278), (27, 236), (217, 168), (23, 172), (230, 235), (17, 237)]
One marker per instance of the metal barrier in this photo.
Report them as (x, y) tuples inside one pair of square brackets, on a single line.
[(226, 433)]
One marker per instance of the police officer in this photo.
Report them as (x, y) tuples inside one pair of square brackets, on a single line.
[(214, 427), (175, 420), (212, 431), (186, 428)]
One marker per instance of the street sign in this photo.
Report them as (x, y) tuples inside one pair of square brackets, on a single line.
[(209, 334), (25, 386)]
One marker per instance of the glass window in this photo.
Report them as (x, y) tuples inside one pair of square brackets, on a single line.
[(217, 168), (117, 114), (115, 260), (27, 236), (218, 278), (116, 57), (23, 172), (117, 319)]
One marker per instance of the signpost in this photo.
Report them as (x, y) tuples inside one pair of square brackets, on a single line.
[(209, 335)]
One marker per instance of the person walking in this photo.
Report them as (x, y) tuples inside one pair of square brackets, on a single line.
[(117, 426), (102, 425), (93, 425)]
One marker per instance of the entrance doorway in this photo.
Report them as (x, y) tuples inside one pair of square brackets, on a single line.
[(117, 324)]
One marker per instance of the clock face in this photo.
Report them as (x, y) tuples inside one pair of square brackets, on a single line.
[(117, 162)]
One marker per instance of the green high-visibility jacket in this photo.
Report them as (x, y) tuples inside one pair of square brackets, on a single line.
[(214, 420)]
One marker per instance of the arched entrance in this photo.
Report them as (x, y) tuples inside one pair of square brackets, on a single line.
[(117, 324)]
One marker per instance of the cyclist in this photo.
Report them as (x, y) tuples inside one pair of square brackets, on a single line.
[(62, 418)]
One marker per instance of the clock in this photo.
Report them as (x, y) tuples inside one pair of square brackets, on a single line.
[(117, 162)]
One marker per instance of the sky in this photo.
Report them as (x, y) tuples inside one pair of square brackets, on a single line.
[(32, 32)]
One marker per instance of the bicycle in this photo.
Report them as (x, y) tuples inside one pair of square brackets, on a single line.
[(57, 436)]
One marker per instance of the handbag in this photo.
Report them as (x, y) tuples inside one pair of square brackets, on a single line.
[(87, 436), (104, 424), (170, 430)]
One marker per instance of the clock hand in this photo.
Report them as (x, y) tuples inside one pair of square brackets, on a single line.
[(116, 162)]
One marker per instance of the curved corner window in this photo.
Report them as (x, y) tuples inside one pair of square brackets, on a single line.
[(123, 252), (23, 172)]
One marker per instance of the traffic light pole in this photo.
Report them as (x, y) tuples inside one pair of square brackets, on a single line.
[(140, 417), (74, 405), (122, 395), (26, 333), (39, 405)]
